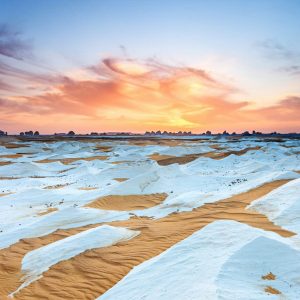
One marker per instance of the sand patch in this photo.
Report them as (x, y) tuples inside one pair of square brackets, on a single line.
[(165, 160), (4, 163), (269, 276), (14, 146), (67, 161), (11, 155), (103, 148), (48, 211), (271, 290), (217, 147), (121, 162), (4, 194), (127, 202), (121, 179), (93, 272), (88, 188)]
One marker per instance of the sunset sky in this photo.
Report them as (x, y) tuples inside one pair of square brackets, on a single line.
[(136, 65)]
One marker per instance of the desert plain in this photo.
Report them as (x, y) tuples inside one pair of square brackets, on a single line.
[(150, 218)]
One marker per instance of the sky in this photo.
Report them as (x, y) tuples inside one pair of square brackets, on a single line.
[(137, 65)]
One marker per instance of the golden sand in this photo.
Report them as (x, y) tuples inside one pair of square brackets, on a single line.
[(88, 188), (11, 155), (93, 272), (272, 290), (67, 161), (103, 148), (165, 160), (121, 162), (14, 146), (269, 276), (48, 211), (121, 179), (4, 163), (127, 202), (4, 194), (217, 147), (11, 258)]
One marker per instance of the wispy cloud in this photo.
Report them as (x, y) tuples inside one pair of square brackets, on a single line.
[(288, 59), (12, 44)]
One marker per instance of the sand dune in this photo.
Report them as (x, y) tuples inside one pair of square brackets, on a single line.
[(127, 202), (165, 160), (90, 274)]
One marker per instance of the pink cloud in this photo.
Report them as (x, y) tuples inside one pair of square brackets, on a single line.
[(139, 95)]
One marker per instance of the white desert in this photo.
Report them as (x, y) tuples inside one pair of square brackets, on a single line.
[(150, 218)]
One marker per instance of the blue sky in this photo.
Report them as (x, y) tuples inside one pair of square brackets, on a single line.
[(179, 30), (219, 35)]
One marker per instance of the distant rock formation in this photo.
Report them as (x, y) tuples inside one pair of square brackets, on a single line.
[(3, 133), (246, 133), (29, 133), (71, 133)]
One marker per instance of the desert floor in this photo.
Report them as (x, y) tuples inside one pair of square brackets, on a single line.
[(150, 218)]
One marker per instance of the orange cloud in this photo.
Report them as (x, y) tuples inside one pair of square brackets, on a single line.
[(131, 95)]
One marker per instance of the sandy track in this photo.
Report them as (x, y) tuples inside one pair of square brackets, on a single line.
[(91, 273)]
